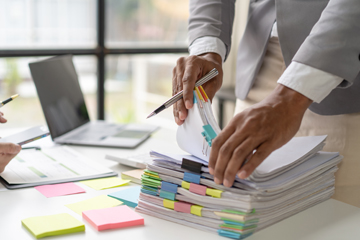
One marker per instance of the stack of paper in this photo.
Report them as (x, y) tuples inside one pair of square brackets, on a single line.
[(179, 188)]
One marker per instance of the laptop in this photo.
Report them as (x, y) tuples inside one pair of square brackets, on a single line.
[(65, 111)]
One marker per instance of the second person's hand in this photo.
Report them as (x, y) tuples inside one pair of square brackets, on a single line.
[(186, 73)]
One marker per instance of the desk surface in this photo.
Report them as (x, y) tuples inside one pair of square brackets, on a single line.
[(329, 220)]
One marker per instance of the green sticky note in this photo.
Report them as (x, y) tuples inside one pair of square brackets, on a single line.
[(44, 226), (105, 183), (98, 202)]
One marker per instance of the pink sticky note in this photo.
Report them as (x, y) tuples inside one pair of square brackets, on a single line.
[(59, 189), (115, 217)]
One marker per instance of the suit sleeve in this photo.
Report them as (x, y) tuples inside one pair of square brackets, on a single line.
[(333, 44), (212, 18)]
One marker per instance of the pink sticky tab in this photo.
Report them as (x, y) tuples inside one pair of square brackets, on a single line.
[(182, 207), (62, 189), (115, 217), (198, 189)]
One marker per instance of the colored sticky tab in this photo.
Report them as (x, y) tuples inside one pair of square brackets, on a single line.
[(105, 183), (116, 217), (185, 185), (61, 189), (206, 96), (201, 90), (169, 187), (209, 134), (195, 100), (213, 192), (191, 165), (98, 202), (167, 195), (128, 196), (52, 225), (190, 177), (198, 189), (169, 203), (199, 94), (151, 172), (196, 210), (229, 234), (182, 207)]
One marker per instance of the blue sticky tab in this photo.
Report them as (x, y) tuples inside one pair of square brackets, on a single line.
[(229, 234), (209, 134), (191, 177), (169, 187), (195, 100), (148, 192), (167, 195)]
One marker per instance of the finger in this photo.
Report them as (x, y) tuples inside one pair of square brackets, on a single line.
[(217, 144), (9, 148), (4, 160), (191, 75), (240, 154), (2, 119), (225, 154), (179, 106), (262, 152)]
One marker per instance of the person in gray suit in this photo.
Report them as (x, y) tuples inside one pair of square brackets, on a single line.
[(298, 68)]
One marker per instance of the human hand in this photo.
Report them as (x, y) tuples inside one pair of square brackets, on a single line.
[(185, 74), (264, 127), (2, 119), (7, 152)]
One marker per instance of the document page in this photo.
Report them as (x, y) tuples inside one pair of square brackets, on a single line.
[(50, 164)]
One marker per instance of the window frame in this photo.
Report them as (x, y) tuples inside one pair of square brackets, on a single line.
[(100, 51)]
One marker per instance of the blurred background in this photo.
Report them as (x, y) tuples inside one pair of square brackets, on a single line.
[(137, 43)]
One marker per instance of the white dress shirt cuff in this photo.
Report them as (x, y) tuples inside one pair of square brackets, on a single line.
[(310, 82), (208, 44)]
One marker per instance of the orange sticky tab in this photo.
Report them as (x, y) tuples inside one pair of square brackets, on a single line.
[(204, 92), (199, 94)]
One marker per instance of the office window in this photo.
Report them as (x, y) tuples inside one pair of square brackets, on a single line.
[(137, 84), (135, 43), (146, 23)]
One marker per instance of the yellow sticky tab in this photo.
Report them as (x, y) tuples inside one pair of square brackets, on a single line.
[(98, 202), (169, 203), (151, 175), (196, 210), (199, 94), (204, 92), (185, 185), (213, 192)]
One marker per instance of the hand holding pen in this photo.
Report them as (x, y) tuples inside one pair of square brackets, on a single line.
[(2, 119), (187, 73)]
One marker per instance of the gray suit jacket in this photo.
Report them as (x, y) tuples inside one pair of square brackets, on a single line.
[(324, 34)]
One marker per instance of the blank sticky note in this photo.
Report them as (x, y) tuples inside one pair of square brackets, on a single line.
[(98, 202), (128, 196), (62, 189), (105, 183), (116, 217), (52, 225)]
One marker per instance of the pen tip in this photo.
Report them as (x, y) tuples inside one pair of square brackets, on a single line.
[(151, 114), (14, 96)]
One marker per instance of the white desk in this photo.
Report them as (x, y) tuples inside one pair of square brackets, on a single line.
[(329, 220)]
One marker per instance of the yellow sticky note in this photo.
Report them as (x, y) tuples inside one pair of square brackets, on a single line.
[(44, 226), (98, 202), (213, 192), (196, 210), (105, 183), (169, 203)]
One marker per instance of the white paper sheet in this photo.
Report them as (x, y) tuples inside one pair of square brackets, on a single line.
[(50, 164)]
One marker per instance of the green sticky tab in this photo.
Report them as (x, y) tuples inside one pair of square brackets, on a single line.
[(239, 227), (213, 192), (209, 134), (238, 212), (196, 210), (232, 221), (151, 172), (167, 195), (185, 184)]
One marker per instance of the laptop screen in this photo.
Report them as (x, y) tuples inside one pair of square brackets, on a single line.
[(60, 95)]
